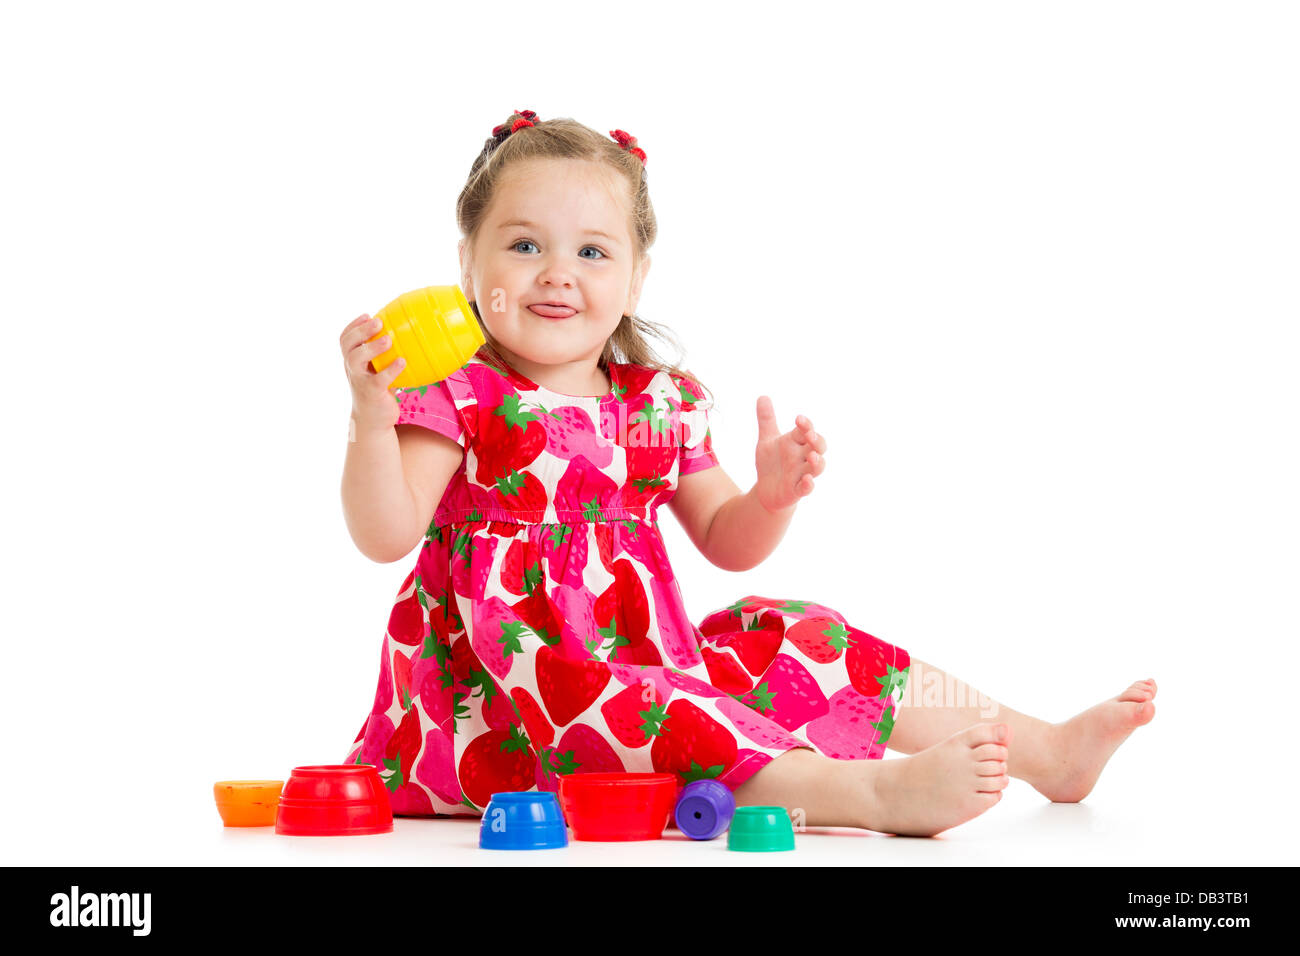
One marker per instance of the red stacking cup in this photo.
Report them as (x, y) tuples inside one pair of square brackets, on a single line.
[(618, 806), (334, 800)]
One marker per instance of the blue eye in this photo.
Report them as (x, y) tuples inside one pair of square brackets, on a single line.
[(600, 254)]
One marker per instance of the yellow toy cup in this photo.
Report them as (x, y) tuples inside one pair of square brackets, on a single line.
[(434, 329)]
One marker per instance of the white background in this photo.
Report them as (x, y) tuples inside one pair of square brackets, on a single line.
[(1031, 268)]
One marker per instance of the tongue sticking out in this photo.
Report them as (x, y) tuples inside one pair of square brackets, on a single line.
[(552, 311)]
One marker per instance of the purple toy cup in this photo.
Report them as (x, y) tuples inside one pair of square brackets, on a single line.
[(704, 809)]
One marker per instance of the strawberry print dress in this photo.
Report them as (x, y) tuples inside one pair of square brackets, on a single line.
[(542, 632)]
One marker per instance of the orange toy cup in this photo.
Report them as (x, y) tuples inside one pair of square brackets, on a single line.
[(434, 329), (247, 803), (618, 806)]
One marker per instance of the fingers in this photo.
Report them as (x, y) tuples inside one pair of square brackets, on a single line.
[(359, 320), (813, 447), (814, 460), (391, 372), (813, 464), (359, 330), (360, 356), (767, 427), (359, 348), (353, 327), (805, 434)]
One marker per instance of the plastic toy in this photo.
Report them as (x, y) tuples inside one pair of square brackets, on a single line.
[(704, 809), (434, 329), (247, 803), (760, 830), (334, 800), (525, 820), (618, 806)]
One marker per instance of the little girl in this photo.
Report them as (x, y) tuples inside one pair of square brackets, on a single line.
[(542, 632)]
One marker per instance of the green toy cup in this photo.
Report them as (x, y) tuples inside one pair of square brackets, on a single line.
[(760, 830)]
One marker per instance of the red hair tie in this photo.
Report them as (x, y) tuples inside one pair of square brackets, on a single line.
[(528, 117), (628, 142)]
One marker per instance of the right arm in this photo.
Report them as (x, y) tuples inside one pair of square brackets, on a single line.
[(394, 475), (393, 479)]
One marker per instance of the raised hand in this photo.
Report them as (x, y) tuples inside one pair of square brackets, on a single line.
[(786, 464), (372, 402)]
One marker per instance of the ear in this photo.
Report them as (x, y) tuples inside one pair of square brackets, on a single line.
[(634, 294)]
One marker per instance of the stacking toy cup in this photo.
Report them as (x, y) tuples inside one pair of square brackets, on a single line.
[(760, 830), (247, 803), (704, 809), (334, 800), (434, 329), (522, 820), (618, 806)]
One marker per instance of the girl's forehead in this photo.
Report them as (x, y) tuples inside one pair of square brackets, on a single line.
[(568, 191), (577, 172)]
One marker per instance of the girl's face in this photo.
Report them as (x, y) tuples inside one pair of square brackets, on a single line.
[(557, 231)]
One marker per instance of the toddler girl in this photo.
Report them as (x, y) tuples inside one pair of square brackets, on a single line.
[(541, 631)]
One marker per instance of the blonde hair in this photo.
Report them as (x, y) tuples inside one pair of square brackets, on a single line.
[(563, 138)]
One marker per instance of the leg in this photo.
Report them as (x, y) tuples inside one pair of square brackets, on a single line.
[(947, 784), (809, 784), (937, 705), (1062, 761), (805, 669)]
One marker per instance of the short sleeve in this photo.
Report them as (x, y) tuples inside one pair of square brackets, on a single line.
[(437, 407), (697, 441)]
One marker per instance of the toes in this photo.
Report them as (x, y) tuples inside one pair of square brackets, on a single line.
[(989, 752), (1139, 690), (987, 734), (991, 768), (1139, 711), (993, 784)]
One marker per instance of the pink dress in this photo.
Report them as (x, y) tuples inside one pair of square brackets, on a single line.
[(542, 632)]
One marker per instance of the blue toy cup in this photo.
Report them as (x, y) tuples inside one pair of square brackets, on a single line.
[(704, 809), (527, 820)]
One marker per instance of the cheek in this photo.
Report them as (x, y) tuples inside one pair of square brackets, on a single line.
[(504, 293), (612, 297)]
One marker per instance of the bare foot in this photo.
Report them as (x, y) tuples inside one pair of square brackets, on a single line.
[(1080, 747), (941, 786)]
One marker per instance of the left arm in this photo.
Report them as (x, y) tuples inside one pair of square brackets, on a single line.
[(736, 531)]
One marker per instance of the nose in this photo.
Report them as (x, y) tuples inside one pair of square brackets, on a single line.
[(555, 273)]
